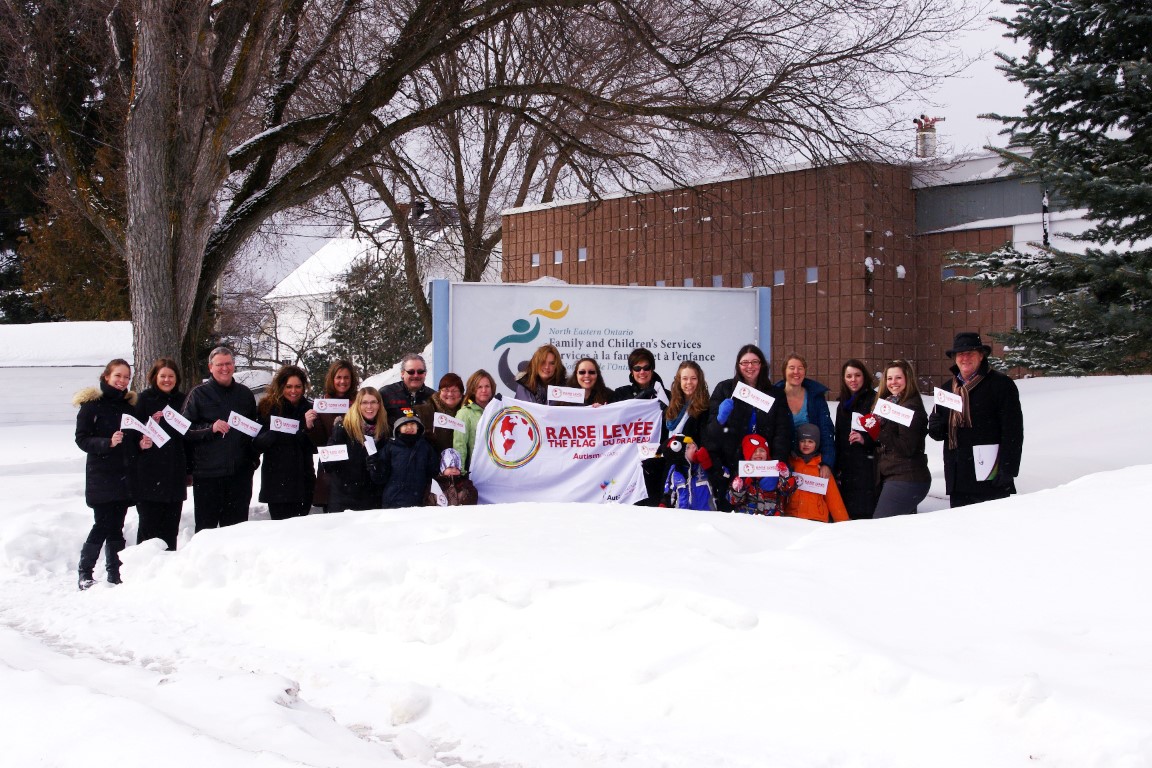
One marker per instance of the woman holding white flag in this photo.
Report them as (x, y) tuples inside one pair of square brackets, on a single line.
[(286, 473), (100, 434), (160, 472), (901, 464), (361, 430)]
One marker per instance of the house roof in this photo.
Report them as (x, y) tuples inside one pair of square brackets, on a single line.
[(321, 273)]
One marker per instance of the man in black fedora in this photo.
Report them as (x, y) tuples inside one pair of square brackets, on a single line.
[(984, 437)]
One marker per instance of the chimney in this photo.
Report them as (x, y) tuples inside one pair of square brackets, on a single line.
[(926, 135)]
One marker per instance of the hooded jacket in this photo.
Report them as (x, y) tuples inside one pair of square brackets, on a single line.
[(405, 466), (106, 468), (810, 505)]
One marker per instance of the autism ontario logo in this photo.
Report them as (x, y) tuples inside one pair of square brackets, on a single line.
[(513, 438), (525, 331)]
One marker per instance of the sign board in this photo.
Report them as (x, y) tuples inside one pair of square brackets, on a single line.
[(497, 327)]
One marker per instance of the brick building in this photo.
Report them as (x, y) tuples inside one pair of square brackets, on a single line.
[(854, 252)]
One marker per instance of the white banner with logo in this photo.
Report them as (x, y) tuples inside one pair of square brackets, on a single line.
[(530, 452)]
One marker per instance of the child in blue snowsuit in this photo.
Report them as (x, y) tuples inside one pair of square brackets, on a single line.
[(686, 485)]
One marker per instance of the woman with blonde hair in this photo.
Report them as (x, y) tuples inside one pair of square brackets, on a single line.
[(545, 369), (365, 425), (902, 472)]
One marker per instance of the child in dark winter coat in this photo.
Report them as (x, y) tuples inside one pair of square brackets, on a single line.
[(405, 465), (687, 486), (760, 495)]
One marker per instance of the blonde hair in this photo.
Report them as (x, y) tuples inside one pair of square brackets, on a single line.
[(910, 388), (699, 402), (354, 422)]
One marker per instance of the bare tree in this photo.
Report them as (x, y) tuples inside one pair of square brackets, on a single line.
[(240, 109)]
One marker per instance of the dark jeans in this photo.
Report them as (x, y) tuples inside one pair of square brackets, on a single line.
[(108, 532), (286, 509), (222, 501), (899, 498), (159, 520)]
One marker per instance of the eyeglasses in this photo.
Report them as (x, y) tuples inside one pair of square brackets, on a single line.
[(416, 372), (585, 373), (640, 368), (749, 363)]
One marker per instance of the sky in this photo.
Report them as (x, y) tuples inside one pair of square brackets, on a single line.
[(563, 635)]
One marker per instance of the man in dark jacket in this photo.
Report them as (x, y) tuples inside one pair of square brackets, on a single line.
[(983, 440), (224, 459), (409, 392)]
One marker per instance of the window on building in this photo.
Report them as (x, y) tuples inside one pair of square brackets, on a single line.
[(659, 283), (717, 281), (1032, 315), (558, 257), (812, 275), (689, 282), (582, 254), (778, 277), (329, 311), (746, 280), (535, 259), (947, 272)]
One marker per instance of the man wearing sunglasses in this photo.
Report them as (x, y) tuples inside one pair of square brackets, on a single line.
[(410, 391), (645, 384)]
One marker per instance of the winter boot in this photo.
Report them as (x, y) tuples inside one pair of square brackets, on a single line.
[(86, 580), (114, 577)]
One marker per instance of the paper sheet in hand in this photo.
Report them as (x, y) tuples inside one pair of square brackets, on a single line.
[(287, 426), (566, 395), (759, 469), (893, 412), (948, 400), (178, 422), (984, 459), (245, 425), (753, 397), (444, 421), (330, 405), (812, 484), (333, 452)]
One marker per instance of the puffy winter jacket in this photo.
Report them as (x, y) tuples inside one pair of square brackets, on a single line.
[(216, 455), (810, 505), (160, 473), (106, 468), (287, 474)]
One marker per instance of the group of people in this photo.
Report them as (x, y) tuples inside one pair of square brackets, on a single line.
[(390, 447)]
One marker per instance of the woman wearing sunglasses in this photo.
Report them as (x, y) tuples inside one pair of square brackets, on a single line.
[(645, 384), (587, 376)]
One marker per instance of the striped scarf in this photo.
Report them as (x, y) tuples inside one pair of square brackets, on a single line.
[(962, 418)]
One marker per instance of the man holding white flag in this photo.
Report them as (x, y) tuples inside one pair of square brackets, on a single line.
[(224, 457), (525, 451)]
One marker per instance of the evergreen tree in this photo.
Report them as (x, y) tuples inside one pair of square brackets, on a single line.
[(376, 319), (1088, 122)]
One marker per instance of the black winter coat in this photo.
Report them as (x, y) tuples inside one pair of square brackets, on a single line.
[(160, 473), (724, 440), (405, 466), (287, 474), (856, 462), (106, 468), (396, 397), (216, 455), (350, 484), (900, 454), (996, 420)]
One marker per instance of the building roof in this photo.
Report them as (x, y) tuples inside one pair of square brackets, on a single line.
[(323, 271)]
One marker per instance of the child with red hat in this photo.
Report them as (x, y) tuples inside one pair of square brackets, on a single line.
[(760, 495), (686, 485)]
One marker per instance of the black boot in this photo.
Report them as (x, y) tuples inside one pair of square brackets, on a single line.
[(86, 580)]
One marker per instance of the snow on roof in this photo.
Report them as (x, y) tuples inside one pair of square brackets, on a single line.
[(87, 343), (322, 272)]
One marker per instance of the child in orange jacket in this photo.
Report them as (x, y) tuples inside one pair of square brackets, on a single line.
[(808, 504)]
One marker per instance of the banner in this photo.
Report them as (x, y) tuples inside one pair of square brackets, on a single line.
[(530, 452)]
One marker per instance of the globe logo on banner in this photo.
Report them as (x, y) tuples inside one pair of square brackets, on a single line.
[(513, 438)]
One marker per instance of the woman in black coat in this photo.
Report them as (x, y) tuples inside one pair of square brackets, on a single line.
[(855, 450), (350, 485), (287, 475), (902, 474), (106, 489), (645, 384), (160, 473), (731, 420)]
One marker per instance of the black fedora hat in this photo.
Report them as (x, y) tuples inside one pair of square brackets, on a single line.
[(967, 342)]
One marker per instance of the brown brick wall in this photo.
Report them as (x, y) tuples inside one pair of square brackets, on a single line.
[(829, 218)]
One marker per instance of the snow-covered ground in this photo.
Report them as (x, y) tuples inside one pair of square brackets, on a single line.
[(574, 636)]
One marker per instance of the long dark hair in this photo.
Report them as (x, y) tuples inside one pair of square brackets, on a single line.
[(599, 392), (764, 378), (330, 378), (274, 397), (869, 382), (160, 364)]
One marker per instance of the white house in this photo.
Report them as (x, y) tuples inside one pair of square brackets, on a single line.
[(300, 309)]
